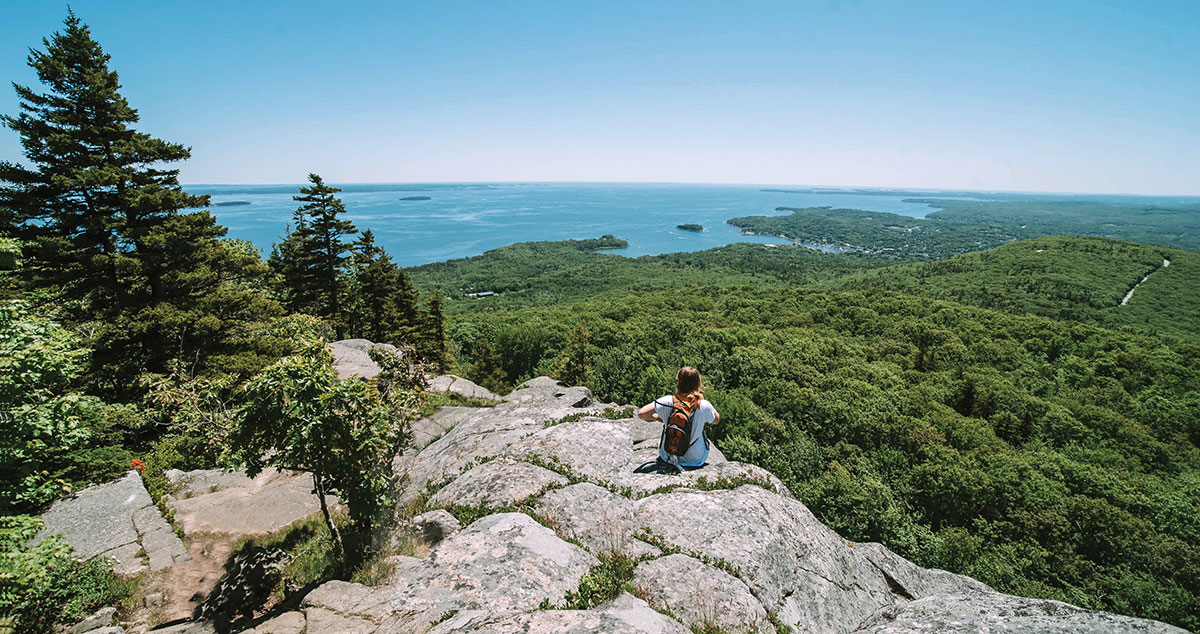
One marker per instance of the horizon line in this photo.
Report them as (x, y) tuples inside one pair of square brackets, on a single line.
[(702, 183)]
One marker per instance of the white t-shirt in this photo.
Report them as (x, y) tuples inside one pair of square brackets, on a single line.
[(698, 453)]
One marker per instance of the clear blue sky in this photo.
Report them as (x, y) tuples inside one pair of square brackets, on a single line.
[(1094, 96)]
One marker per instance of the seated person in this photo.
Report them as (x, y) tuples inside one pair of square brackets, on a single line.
[(688, 390)]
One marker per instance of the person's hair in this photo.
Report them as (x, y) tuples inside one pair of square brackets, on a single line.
[(688, 385)]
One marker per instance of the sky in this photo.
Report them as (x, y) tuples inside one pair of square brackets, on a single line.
[(1060, 96)]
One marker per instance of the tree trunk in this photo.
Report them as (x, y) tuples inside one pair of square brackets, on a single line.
[(319, 485)]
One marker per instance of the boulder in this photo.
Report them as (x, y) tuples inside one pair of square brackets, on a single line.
[(700, 595), (351, 357), (593, 448), (436, 525), (720, 475), (213, 501), (429, 428), (117, 520), (286, 623), (488, 432), (103, 617), (793, 564), (502, 563), (497, 484), (451, 384), (598, 518), (545, 390), (322, 621)]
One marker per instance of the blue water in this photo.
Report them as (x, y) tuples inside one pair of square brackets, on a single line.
[(467, 219)]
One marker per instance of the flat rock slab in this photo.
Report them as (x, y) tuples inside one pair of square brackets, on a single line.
[(489, 432), (720, 475), (212, 501), (429, 428), (286, 623), (700, 595), (598, 518), (1002, 613), (623, 615), (594, 448), (452, 384), (792, 563), (117, 520), (502, 563), (351, 357), (497, 484)]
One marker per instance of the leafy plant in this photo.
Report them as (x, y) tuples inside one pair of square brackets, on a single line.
[(298, 415), (602, 583), (43, 584)]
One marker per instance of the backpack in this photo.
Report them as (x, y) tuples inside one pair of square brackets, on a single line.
[(677, 428)]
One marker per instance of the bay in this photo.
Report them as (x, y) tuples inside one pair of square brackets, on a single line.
[(465, 219)]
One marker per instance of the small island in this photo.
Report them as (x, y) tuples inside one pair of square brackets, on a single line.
[(232, 203), (690, 227), (416, 198), (606, 241)]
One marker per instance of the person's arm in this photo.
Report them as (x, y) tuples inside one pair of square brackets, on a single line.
[(648, 413)]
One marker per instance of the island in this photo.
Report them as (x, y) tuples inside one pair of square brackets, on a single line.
[(606, 241), (416, 198), (232, 203), (690, 227)]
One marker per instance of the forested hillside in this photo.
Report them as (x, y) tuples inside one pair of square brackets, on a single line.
[(960, 225), (1082, 279), (1046, 458), (542, 273)]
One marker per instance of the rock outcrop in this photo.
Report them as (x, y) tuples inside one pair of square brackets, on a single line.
[(544, 483), (215, 501), (723, 547), (119, 521), (352, 357)]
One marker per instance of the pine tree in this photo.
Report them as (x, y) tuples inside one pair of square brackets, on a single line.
[(301, 291), (488, 369), (574, 367), (381, 304), (95, 188), (431, 339), (108, 229), (319, 251)]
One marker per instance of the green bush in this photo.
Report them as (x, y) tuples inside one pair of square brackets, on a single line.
[(43, 584)]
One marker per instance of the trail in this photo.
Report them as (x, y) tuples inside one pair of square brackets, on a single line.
[(1129, 295)]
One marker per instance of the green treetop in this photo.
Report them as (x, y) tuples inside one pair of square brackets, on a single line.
[(326, 249), (382, 304)]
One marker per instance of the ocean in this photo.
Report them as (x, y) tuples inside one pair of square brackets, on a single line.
[(465, 219)]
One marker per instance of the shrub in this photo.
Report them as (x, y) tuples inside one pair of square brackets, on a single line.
[(43, 584)]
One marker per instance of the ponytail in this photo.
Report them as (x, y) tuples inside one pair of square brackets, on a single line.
[(689, 386)]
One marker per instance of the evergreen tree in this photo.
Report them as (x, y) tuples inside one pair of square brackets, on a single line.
[(108, 228), (323, 247), (431, 340), (95, 188), (574, 367), (488, 370), (301, 291), (382, 304)]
